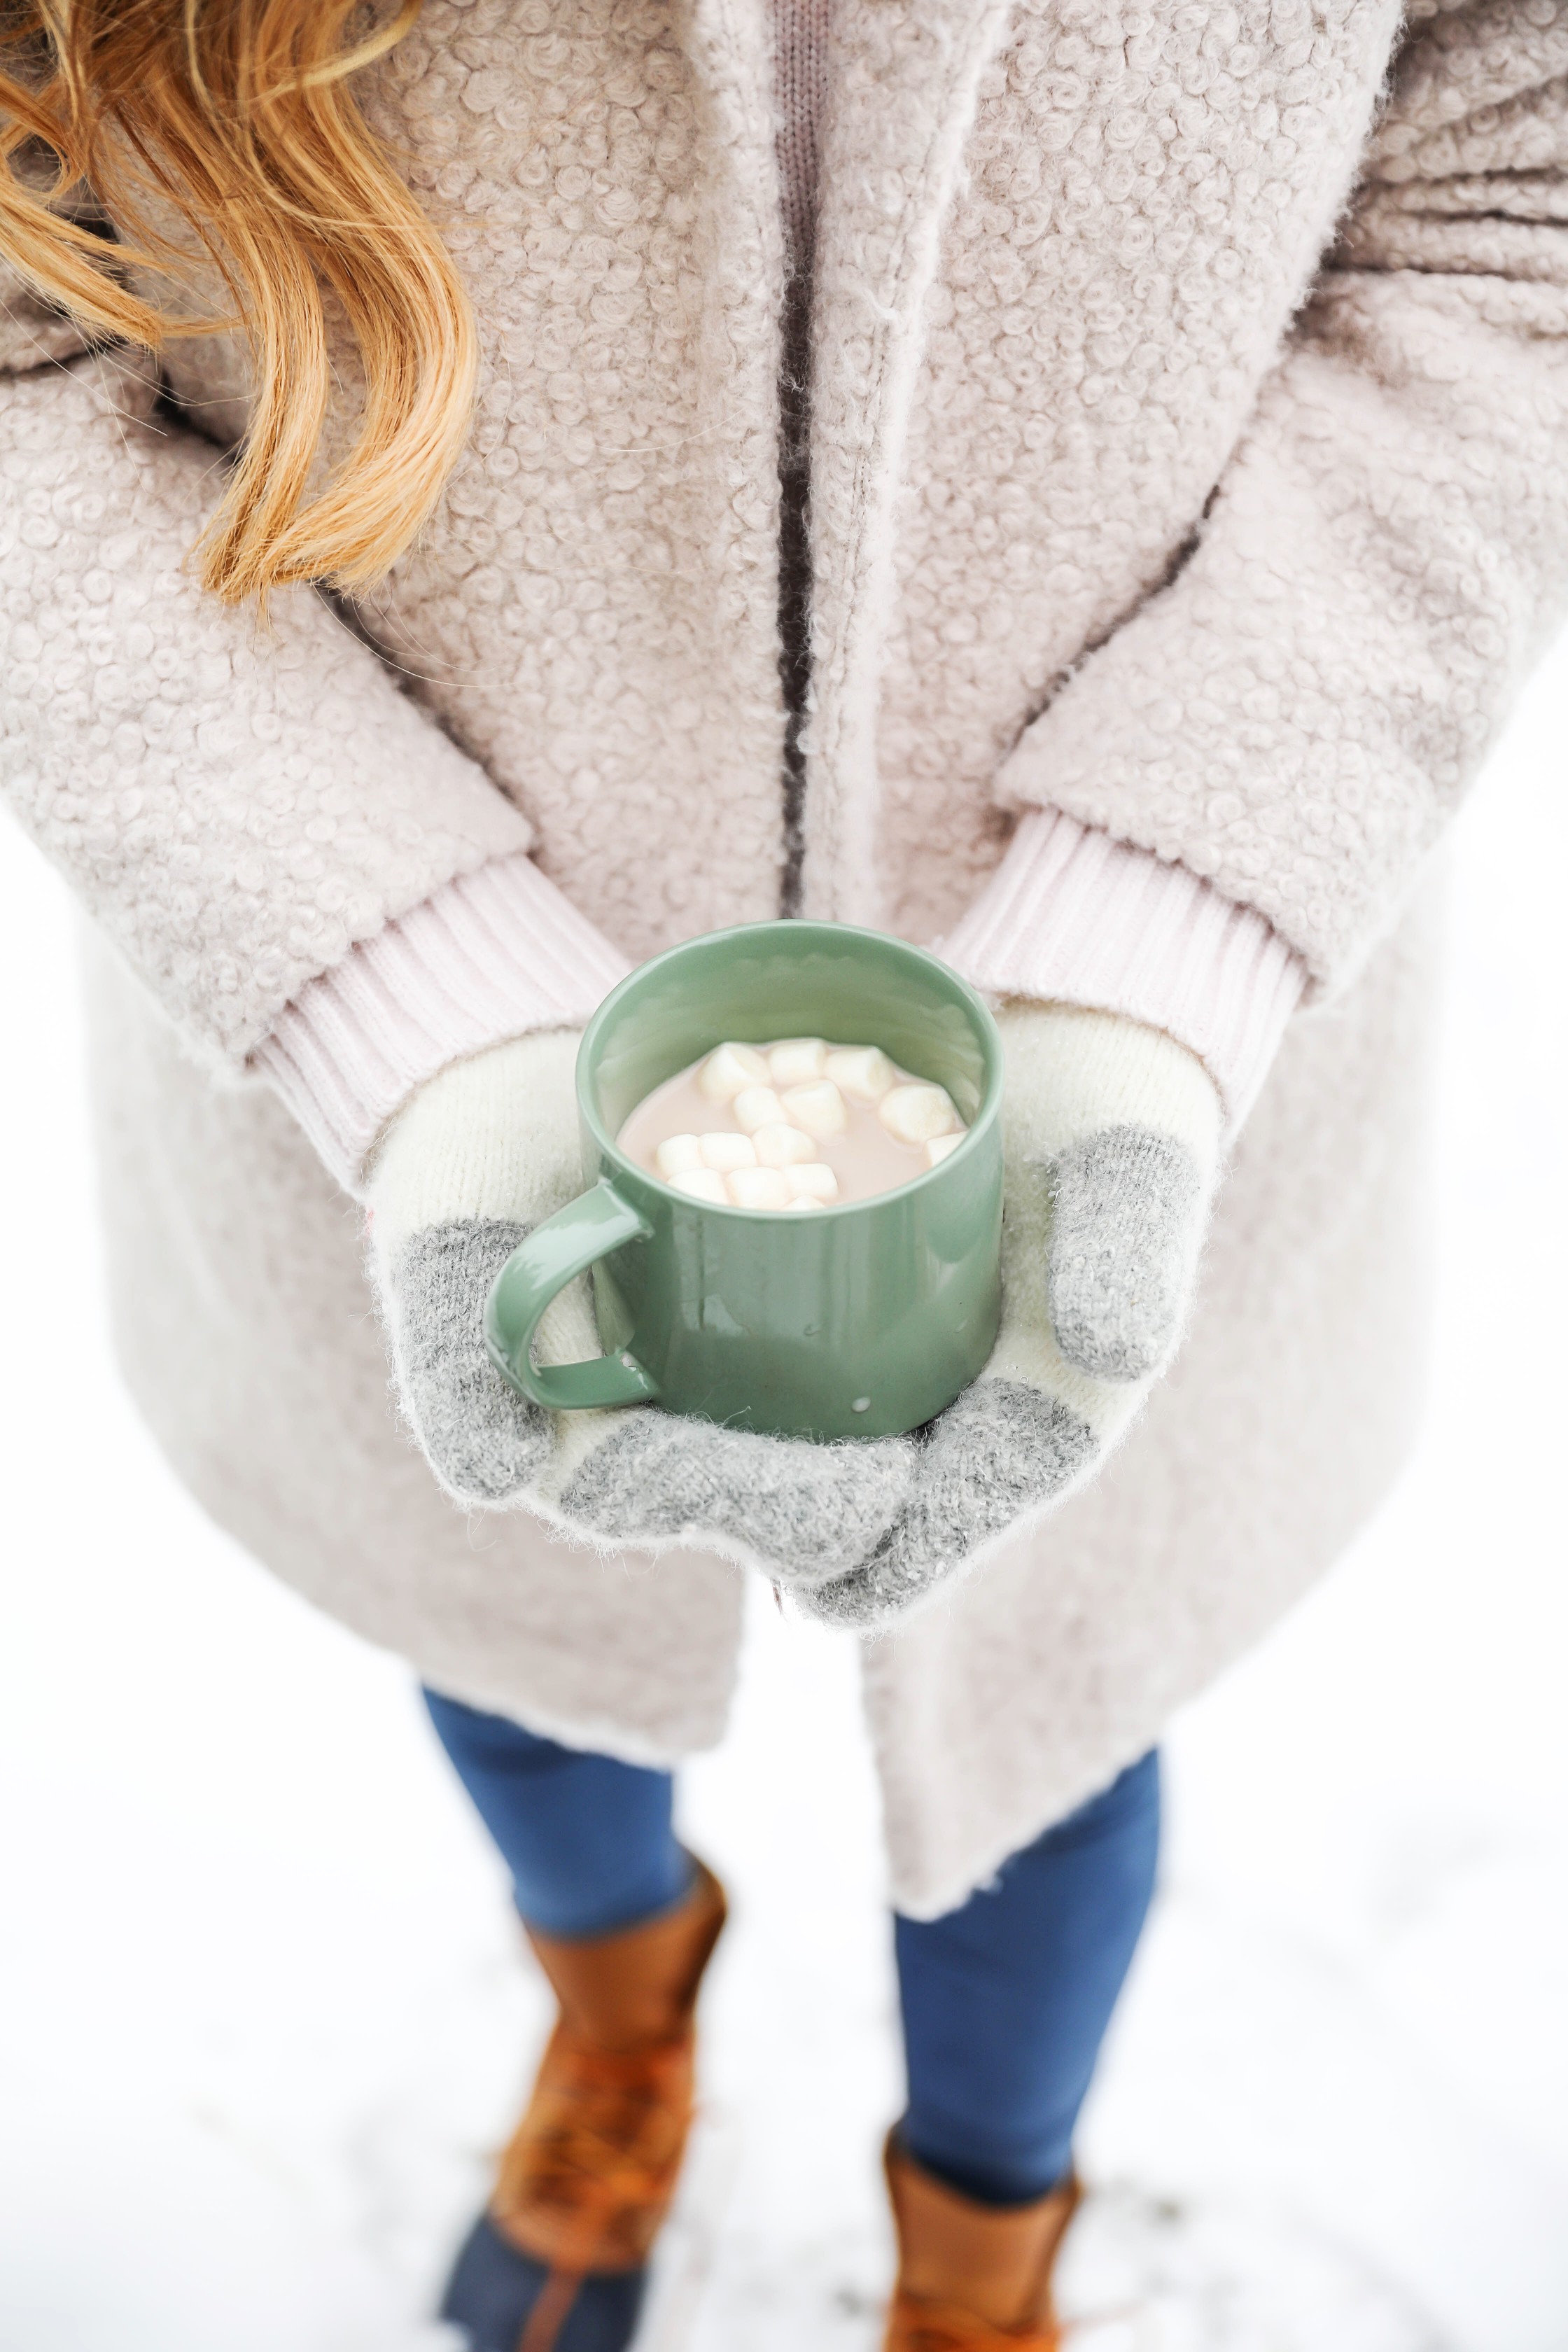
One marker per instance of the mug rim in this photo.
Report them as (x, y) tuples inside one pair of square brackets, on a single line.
[(986, 1030)]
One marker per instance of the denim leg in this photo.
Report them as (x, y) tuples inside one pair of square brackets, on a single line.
[(1006, 2001), (589, 1841)]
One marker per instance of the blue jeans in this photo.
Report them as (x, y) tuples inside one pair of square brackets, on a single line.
[(1005, 2000)]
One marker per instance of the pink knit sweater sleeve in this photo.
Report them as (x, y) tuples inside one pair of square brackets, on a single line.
[(487, 957), (1073, 917)]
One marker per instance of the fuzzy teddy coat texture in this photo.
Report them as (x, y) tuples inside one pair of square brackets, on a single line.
[(1189, 452)]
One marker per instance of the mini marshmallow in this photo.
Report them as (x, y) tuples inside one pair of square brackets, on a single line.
[(757, 1107), (804, 1201), (915, 1114), (678, 1155), (796, 1061), (758, 1188), (702, 1184), (818, 1108), (939, 1147), (728, 1069), (864, 1072), (724, 1151), (814, 1182), (781, 1147)]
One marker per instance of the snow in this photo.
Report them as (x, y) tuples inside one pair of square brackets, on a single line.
[(264, 2011)]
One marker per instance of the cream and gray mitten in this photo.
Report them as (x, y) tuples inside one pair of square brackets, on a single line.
[(1112, 1152), (479, 1156), (1113, 1135)]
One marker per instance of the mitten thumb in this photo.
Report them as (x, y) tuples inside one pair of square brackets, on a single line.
[(479, 1156)]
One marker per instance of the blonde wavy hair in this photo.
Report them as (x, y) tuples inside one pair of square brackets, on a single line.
[(236, 115)]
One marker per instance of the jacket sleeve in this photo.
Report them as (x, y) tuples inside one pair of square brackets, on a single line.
[(1296, 715), (236, 802)]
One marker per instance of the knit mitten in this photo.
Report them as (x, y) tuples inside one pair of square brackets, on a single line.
[(481, 1155), (1113, 1135)]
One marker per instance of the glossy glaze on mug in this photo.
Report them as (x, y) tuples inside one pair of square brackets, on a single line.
[(863, 1318)]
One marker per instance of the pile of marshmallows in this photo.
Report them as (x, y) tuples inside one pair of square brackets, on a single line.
[(788, 1099)]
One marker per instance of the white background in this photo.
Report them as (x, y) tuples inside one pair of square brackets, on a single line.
[(262, 2010)]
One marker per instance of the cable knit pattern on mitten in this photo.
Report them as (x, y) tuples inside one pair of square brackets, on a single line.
[(493, 955), (1074, 918)]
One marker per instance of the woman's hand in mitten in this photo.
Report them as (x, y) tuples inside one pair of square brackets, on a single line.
[(1113, 1138), (479, 1156)]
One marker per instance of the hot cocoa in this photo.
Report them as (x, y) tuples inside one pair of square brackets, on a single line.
[(797, 1125)]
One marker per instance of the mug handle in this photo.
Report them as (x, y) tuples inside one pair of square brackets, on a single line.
[(555, 1253)]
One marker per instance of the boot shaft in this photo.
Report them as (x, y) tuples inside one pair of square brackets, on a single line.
[(972, 2276), (624, 1991)]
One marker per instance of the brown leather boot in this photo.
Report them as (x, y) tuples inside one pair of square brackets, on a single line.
[(972, 2278), (589, 2173)]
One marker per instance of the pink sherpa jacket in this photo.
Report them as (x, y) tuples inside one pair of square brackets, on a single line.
[(1189, 480), (1072, 915), (1188, 491)]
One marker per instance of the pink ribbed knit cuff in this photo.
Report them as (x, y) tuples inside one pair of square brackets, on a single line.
[(1071, 915), (487, 957)]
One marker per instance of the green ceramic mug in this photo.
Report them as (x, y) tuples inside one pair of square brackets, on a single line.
[(856, 1321)]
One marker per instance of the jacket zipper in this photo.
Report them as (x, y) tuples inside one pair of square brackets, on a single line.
[(794, 572)]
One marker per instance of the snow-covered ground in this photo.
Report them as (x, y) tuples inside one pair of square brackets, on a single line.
[(262, 2011)]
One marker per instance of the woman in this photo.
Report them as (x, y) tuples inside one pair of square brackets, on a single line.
[(1077, 481)]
